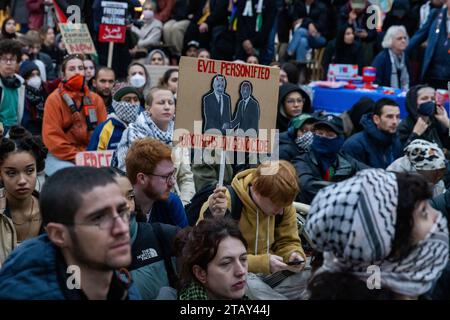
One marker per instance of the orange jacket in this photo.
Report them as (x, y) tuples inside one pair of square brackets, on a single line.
[(65, 133)]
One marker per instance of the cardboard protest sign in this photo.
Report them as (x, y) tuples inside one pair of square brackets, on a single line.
[(94, 158), (226, 105), (77, 38), (113, 23)]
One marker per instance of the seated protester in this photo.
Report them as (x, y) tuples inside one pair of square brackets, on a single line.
[(268, 213), (378, 145), (103, 83), (157, 57), (71, 114), (213, 263), (35, 40), (345, 49), (89, 71), (425, 158), (126, 106), (297, 138), (139, 78), (151, 265), (170, 81), (150, 32), (324, 163), (426, 120), (152, 173), (411, 249), (204, 54), (392, 63), (292, 102), (35, 96), (12, 89), (351, 118), (289, 73), (86, 219), (157, 122), (20, 133), (20, 217)]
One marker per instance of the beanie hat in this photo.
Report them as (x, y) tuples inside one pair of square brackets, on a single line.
[(121, 89), (26, 68)]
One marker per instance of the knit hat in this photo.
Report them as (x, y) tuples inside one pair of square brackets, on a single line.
[(353, 223), (121, 89), (425, 155), (26, 68)]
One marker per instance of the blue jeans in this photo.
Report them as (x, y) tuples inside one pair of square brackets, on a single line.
[(53, 164), (301, 42)]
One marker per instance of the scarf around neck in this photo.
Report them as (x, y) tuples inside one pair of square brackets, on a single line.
[(398, 64)]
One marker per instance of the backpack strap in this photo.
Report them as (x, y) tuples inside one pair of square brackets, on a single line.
[(162, 242), (236, 203)]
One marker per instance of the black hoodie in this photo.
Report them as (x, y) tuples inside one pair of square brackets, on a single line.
[(282, 118), (434, 133)]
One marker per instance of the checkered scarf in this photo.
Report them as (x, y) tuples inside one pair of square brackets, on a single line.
[(125, 111), (353, 223), (195, 291)]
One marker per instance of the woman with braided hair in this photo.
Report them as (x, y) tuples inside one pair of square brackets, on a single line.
[(21, 158)]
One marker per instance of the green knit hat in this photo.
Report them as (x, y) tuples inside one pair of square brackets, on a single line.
[(121, 89)]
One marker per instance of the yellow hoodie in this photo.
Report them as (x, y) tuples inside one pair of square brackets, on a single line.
[(259, 229)]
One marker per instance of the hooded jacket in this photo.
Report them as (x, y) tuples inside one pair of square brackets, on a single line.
[(37, 270), (259, 230), (373, 147), (107, 135), (435, 132), (184, 187), (282, 118)]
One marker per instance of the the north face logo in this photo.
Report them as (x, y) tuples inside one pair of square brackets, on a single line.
[(147, 254)]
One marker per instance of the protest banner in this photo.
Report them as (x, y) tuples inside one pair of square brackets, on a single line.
[(94, 158), (113, 25), (227, 106), (76, 38)]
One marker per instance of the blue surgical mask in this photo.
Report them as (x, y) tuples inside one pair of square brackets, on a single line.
[(427, 108)]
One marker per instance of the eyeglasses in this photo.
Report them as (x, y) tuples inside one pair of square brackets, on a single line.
[(8, 60), (291, 101), (106, 221), (171, 177)]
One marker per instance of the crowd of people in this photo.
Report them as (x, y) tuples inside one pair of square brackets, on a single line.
[(155, 225)]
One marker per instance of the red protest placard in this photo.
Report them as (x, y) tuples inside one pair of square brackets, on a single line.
[(94, 158), (111, 33)]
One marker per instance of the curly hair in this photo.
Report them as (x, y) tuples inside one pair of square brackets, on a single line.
[(9, 46), (198, 245), (22, 140)]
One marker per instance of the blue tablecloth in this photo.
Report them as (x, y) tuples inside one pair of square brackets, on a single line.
[(340, 100)]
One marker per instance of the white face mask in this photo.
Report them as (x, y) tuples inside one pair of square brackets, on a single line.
[(148, 14), (137, 80), (35, 82)]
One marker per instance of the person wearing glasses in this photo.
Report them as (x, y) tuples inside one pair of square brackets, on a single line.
[(157, 121), (293, 101), (87, 241), (392, 63), (12, 88), (152, 172)]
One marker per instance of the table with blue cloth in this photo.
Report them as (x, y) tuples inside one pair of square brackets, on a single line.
[(340, 100)]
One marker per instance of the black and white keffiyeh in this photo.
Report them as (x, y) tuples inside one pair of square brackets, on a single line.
[(353, 223), (143, 127)]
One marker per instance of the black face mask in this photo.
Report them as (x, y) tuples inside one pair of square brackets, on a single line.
[(11, 82), (427, 108)]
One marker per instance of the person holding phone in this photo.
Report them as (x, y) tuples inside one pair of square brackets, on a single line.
[(427, 119)]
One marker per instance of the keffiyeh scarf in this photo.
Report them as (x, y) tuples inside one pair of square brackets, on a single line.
[(353, 223)]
